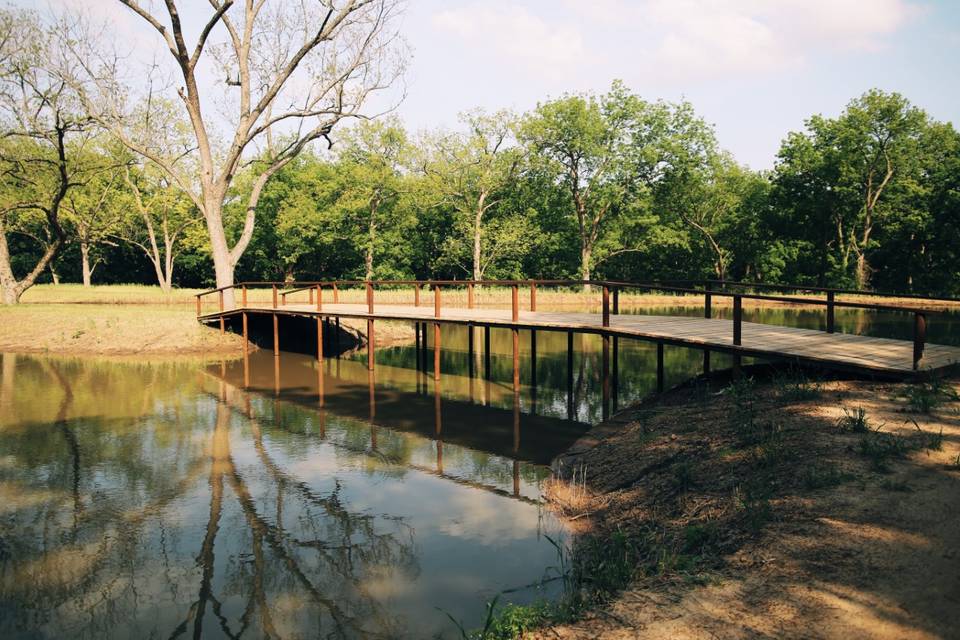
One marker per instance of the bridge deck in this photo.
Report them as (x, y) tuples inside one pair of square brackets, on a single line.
[(835, 350)]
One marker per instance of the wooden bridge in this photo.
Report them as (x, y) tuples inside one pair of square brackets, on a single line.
[(909, 357)]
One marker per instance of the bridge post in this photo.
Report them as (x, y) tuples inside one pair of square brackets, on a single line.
[(615, 373), (707, 312), (486, 352), (516, 358), (320, 339), (515, 300), (416, 294), (533, 295), (274, 295), (436, 332), (830, 311), (605, 373), (246, 335), (737, 330), (616, 301), (370, 344), (310, 293), (319, 297), (606, 306), (369, 297), (470, 329), (919, 338), (199, 310), (533, 358), (570, 375), (336, 298), (470, 296), (244, 294), (222, 324), (276, 335)]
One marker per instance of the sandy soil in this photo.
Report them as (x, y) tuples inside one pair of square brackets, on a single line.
[(800, 531)]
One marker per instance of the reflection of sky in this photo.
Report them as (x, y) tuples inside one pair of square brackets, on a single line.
[(128, 563)]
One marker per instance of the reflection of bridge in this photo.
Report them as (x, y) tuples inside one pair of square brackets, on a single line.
[(453, 422), (826, 348)]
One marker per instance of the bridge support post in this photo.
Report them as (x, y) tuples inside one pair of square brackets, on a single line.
[(830, 311), (276, 335), (319, 339), (370, 344), (246, 334), (436, 351), (533, 371), (737, 331), (605, 373), (470, 330), (707, 312), (516, 359), (569, 375), (486, 352), (615, 369)]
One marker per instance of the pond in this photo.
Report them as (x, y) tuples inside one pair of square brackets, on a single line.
[(280, 497), (164, 500)]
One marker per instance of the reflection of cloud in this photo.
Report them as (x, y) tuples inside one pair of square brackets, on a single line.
[(488, 518)]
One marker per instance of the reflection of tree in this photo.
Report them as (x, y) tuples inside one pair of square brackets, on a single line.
[(349, 547), (131, 530)]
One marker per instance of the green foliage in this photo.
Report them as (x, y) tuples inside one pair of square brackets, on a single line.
[(855, 421), (924, 397)]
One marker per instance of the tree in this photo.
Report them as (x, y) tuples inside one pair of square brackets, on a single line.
[(472, 173), (292, 71), (160, 217), (41, 139), (94, 209), (610, 153), (842, 172), (370, 185)]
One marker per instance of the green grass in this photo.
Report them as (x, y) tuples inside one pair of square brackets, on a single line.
[(925, 397)]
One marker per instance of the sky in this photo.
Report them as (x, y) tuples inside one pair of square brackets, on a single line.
[(755, 69)]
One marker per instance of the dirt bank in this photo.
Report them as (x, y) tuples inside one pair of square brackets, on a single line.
[(777, 509)]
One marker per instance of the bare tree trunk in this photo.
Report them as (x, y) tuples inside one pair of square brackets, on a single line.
[(10, 288), (219, 249), (477, 238), (85, 263), (586, 254), (53, 274)]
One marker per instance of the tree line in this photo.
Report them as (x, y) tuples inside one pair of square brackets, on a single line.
[(583, 186)]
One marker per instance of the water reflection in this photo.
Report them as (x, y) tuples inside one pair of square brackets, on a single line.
[(163, 500)]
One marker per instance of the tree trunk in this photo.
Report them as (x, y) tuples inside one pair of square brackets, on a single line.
[(223, 265), (54, 275), (477, 238), (85, 263), (586, 251)]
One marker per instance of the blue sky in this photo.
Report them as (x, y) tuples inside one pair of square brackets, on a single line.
[(753, 68)]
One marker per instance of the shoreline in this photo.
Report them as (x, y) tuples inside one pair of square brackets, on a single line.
[(781, 507)]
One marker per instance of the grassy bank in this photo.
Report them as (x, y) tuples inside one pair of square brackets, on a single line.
[(110, 329), (775, 508)]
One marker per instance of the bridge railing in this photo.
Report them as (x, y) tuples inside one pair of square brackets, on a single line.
[(316, 292)]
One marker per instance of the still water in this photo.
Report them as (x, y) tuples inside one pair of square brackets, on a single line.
[(282, 498)]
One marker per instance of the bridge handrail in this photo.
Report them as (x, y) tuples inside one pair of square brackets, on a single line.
[(283, 289)]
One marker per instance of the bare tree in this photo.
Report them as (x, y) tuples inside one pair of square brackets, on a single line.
[(290, 72), (471, 172), (40, 133), (161, 217)]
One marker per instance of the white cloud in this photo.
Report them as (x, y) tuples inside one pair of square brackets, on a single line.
[(511, 32), (701, 38)]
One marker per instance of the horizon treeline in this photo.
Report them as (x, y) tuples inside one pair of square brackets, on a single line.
[(583, 186)]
